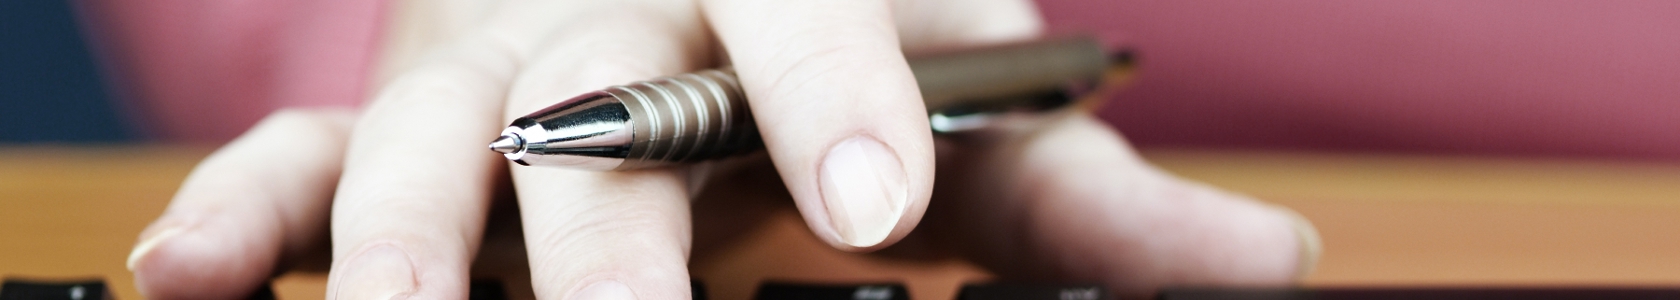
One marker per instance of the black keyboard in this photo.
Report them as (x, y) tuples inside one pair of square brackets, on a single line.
[(16, 289), (1458, 293), (494, 290)]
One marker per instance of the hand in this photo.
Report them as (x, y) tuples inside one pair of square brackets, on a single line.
[(408, 187)]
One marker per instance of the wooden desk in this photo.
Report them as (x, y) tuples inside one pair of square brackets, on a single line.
[(1385, 220)]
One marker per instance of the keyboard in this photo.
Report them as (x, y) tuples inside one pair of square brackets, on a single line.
[(18, 289), (15, 289)]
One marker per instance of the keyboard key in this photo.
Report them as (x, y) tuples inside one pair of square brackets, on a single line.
[(486, 289), (1537, 293), (264, 292), (797, 291), (42, 290), (1009, 291), (697, 289)]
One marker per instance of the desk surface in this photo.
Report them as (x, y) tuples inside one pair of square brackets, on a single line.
[(1386, 220)]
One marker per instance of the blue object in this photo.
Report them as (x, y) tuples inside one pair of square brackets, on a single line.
[(50, 85)]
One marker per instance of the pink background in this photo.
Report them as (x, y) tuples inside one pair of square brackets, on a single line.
[(1550, 78), (1494, 77), (206, 70)]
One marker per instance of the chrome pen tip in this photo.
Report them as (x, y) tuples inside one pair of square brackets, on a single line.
[(507, 144)]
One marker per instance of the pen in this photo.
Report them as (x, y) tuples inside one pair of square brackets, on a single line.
[(703, 115)]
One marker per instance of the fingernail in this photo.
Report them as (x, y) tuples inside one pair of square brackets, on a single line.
[(864, 188), (604, 290), (146, 246), (381, 272), (1311, 246)]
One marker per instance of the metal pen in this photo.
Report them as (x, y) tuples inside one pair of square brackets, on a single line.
[(704, 115)]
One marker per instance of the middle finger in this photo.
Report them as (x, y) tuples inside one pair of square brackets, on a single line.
[(617, 235)]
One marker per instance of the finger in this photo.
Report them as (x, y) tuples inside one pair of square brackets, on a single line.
[(607, 235), (1096, 211), (410, 208), (838, 109), (940, 24), (260, 200)]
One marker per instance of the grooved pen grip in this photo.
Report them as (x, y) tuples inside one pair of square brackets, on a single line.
[(687, 117)]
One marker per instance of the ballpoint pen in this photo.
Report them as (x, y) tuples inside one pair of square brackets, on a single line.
[(704, 115)]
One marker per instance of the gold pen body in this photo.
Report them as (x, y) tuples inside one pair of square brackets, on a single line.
[(704, 115)]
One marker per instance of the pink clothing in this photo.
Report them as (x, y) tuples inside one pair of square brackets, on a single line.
[(1483, 77), (206, 70), (1593, 78)]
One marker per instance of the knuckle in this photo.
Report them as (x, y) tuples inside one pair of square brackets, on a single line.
[(817, 54), (801, 69), (471, 73), (301, 132), (434, 84), (563, 74), (425, 211), (332, 121), (610, 222)]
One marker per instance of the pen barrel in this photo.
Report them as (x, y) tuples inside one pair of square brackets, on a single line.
[(686, 118), (704, 115), (1002, 76)]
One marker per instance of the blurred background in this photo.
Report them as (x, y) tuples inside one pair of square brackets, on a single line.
[(1497, 77), (52, 88)]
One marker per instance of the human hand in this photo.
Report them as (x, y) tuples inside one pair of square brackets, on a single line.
[(409, 187)]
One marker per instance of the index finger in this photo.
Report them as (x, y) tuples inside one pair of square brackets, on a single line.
[(838, 109), (411, 202)]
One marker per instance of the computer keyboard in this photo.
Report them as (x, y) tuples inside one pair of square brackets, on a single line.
[(808, 291), (16, 289), (1006, 291), (493, 290), (1453, 293)]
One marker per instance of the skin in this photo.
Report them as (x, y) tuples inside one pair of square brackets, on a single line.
[(407, 186)]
